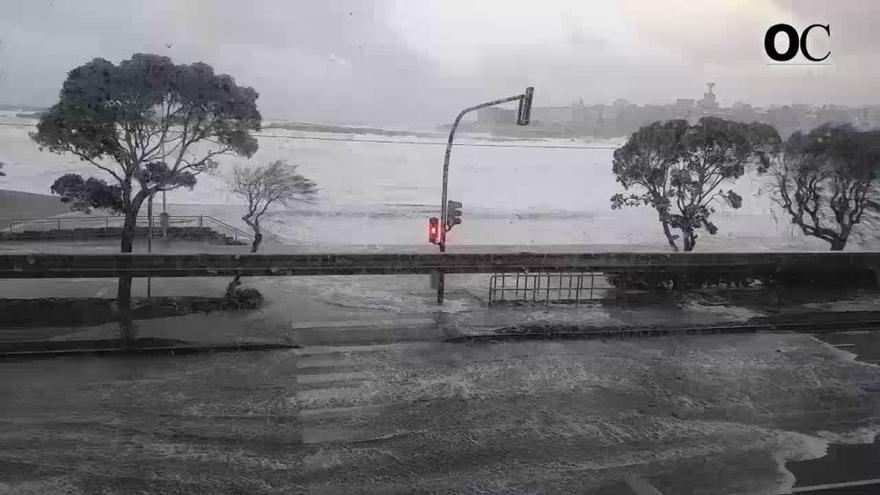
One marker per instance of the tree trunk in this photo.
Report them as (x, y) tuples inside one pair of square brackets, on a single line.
[(123, 292), (230, 289), (690, 240), (838, 244), (258, 238), (669, 236)]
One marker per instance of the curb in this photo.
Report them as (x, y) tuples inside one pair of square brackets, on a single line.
[(158, 350), (574, 332)]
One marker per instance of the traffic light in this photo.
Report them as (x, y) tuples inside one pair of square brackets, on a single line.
[(525, 107), (433, 230), (453, 214)]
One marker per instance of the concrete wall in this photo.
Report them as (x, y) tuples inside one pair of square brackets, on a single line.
[(822, 266), (188, 233)]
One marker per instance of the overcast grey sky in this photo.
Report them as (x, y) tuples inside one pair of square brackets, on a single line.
[(419, 61)]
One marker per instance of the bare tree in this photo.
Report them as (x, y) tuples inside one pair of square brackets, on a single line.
[(264, 186), (826, 181)]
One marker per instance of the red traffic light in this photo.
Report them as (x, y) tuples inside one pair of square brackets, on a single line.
[(433, 230)]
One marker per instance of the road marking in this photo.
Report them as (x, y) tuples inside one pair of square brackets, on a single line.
[(335, 435), (832, 486), (844, 345), (311, 395), (403, 323), (640, 486), (329, 349), (308, 363), (333, 377), (343, 412)]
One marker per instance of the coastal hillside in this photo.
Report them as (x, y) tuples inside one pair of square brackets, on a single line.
[(24, 205)]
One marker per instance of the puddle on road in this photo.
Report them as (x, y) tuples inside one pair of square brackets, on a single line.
[(852, 455)]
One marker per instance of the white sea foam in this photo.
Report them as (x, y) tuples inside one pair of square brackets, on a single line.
[(733, 312), (857, 436), (382, 193)]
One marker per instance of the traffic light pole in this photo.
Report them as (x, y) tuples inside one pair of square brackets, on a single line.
[(443, 212)]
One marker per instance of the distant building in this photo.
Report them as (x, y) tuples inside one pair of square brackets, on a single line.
[(655, 113), (554, 115), (595, 114), (578, 111), (708, 104), (743, 112), (623, 118), (684, 107), (495, 115)]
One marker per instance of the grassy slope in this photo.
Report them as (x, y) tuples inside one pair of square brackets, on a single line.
[(16, 204)]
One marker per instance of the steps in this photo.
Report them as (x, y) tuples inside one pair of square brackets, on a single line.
[(192, 227), (89, 233)]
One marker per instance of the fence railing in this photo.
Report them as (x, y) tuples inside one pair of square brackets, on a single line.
[(235, 233), (547, 287), (75, 222)]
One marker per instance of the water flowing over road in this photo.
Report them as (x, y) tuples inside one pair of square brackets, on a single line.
[(711, 414)]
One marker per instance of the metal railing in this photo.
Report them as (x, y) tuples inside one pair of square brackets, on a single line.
[(233, 232), (547, 287), (96, 222)]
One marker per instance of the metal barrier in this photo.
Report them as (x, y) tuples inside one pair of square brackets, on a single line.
[(547, 287), (74, 222)]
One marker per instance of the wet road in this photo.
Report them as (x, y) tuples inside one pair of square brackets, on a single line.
[(710, 414)]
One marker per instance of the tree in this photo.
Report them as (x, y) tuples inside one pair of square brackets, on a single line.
[(679, 170), (826, 181), (151, 126), (262, 187)]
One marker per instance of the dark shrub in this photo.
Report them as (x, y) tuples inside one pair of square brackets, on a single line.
[(695, 279), (246, 298)]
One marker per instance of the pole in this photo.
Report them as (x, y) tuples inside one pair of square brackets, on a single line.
[(150, 224), (149, 239), (164, 156), (441, 282)]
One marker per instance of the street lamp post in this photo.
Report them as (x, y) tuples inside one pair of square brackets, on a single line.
[(522, 118), (150, 240)]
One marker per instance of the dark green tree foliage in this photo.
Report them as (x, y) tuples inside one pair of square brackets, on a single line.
[(150, 126), (826, 181), (86, 195), (140, 123), (679, 170)]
